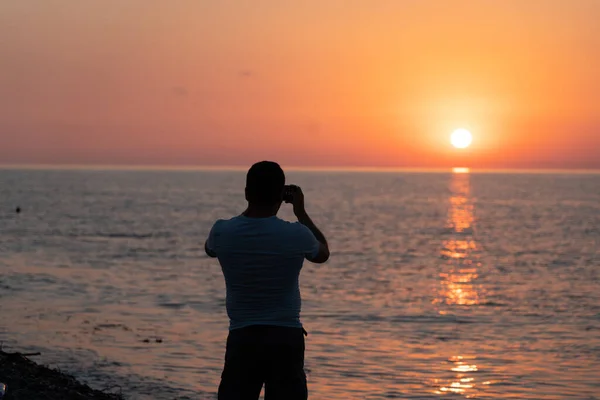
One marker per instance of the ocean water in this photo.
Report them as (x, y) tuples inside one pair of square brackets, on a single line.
[(440, 285)]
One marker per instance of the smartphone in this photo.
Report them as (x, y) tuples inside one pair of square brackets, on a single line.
[(288, 195)]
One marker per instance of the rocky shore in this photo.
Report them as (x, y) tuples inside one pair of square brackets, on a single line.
[(26, 380)]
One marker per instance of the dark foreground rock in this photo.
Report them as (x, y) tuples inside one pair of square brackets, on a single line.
[(26, 380)]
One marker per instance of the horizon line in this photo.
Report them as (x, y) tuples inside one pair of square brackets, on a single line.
[(158, 167)]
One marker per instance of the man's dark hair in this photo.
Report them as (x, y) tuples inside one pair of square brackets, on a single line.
[(264, 183)]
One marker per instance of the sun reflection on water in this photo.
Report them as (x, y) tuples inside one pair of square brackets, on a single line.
[(460, 250), (458, 288), (462, 383)]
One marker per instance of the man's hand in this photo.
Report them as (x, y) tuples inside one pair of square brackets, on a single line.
[(297, 200)]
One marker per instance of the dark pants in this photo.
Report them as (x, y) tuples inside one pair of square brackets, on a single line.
[(269, 355)]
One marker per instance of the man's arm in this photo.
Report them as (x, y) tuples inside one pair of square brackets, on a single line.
[(304, 219), (323, 254), (208, 251), (209, 244)]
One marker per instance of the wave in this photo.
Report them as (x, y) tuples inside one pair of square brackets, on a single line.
[(122, 235), (127, 235)]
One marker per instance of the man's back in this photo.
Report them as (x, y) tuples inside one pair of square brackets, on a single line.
[(261, 260)]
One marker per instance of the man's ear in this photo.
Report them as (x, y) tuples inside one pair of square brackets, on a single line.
[(246, 193)]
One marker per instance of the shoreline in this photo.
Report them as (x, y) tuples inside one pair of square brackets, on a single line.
[(27, 380)]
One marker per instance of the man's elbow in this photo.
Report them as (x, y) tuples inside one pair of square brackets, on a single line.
[(322, 257), (209, 252)]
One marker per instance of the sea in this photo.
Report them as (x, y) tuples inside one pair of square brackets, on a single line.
[(449, 284)]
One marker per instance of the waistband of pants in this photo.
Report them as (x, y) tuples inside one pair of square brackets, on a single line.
[(265, 332)]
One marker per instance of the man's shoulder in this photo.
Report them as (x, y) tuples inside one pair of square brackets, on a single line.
[(274, 224), (293, 230), (288, 225), (224, 223)]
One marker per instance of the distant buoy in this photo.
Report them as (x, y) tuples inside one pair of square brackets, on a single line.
[(18, 210)]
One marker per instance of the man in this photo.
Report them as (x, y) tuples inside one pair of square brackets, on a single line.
[(261, 257)]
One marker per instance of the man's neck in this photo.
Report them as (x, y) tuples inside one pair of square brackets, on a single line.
[(259, 212)]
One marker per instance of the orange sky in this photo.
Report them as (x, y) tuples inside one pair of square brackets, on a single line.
[(306, 83)]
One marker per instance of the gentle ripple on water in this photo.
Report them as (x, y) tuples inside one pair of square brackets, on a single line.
[(460, 285)]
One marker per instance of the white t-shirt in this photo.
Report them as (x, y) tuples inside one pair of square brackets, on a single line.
[(261, 259)]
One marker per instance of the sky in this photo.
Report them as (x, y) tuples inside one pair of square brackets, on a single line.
[(321, 83)]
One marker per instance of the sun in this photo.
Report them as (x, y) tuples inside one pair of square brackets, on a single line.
[(461, 138)]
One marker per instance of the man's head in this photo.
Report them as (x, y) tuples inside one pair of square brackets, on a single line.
[(264, 184)]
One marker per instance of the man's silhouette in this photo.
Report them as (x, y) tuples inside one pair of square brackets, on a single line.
[(261, 257)]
